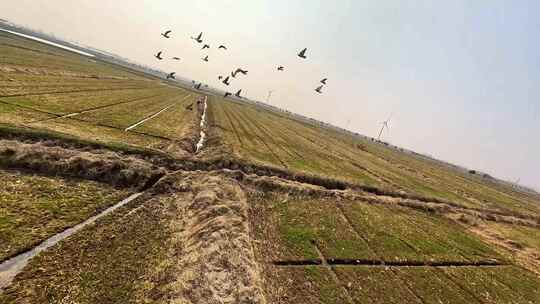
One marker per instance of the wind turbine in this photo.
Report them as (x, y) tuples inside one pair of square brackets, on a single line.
[(269, 95), (384, 125)]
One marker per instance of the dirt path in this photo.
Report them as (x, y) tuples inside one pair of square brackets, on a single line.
[(217, 262)]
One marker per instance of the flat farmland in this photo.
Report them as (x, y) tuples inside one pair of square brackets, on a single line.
[(358, 232), (34, 207), (172, 123), (273, 138), (338, 251), (45, 87)]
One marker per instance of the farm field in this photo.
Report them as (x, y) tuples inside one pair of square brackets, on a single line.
[(44, 87), (34, 207), (268, 137), (341, 251), (270, 208)]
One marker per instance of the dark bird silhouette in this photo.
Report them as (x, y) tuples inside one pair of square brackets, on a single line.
[(189, 107), (158, 55), (198, 86), (239, 70), (227, 94), (302, 54), (205, 58), (171, 75), (324, 80), (166, 34), (176, 58), (319, 89), (198, 38), (238, 93), (280, 68), (206, 46), (220, 77), (222, 47), (243, 72), (226, 81)]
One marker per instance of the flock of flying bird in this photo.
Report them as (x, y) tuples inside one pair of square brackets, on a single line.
[(226, 80)]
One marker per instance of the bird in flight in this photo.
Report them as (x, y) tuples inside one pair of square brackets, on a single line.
[(238, 93), (319, 89), (158, 55), (239, 70), (171, 75), (226, 81), (222, 47), (227, 94), (302, 54), (205, 58), (324, 80), (220, 77), (166, 34), (198, 38), (280, 68), (206, 46), (176, 58)]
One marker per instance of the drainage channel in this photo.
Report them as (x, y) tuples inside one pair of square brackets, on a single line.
[(203, 122), (10, 268), (353, 262)]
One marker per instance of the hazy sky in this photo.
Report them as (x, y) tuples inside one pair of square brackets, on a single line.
[(461, 77)]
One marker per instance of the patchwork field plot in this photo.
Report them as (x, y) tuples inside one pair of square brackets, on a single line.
[(336, 251), (33, 207), (356, 232), (45, 87)]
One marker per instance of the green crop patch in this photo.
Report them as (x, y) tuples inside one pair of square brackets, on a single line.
[(400, 234), (363, 233), (303, 224), (33, 207)]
